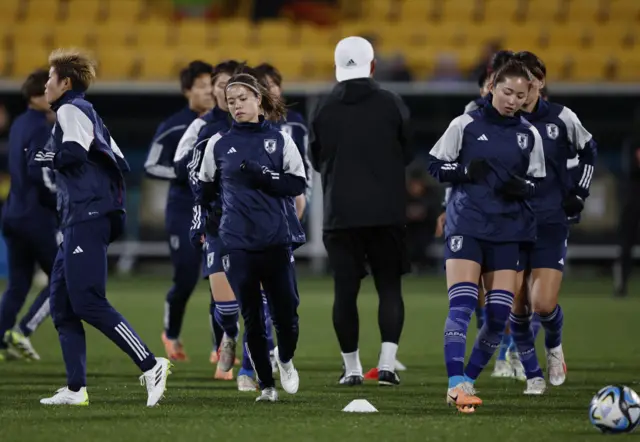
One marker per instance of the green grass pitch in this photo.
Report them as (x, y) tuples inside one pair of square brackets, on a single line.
[(600, 341)]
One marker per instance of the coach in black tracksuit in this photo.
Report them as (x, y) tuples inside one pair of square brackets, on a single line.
[(359, 144)]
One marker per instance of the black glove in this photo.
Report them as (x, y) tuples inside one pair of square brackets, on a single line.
[(572, 205), (477, 169), (517, 189), (259, 174)]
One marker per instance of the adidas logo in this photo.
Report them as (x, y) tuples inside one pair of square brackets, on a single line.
[(78, 250), (483, 137), (232, 150), (561, 262), (351, 63)]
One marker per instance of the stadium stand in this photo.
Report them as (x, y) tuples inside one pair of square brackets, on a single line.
[(583, 40)]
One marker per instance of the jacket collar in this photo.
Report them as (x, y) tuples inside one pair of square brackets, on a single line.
[(260, 126), (539, 112), (65, 98), (494, 116)]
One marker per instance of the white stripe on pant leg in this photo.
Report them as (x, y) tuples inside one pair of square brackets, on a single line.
[(128, 341), (41, 315), (135, 340), (246, 346)]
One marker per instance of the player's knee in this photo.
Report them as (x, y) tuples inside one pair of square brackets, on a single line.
[(544, 306)]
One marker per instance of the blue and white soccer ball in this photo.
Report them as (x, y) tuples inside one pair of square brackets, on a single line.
[(615, 409)]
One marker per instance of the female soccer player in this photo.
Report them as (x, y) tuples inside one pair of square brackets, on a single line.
[(89, 170), (294, 125), (258, 168), (569, 152), (507, 364), (485, 155)]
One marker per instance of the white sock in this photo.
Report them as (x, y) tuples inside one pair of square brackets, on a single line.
[(388, 357), (352, 365)]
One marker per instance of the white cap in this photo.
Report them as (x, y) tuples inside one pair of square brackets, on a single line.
[(353, 57)]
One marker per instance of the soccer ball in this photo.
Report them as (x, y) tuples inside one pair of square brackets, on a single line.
[(615, 409)]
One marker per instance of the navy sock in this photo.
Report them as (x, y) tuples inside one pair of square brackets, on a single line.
[(525, 343), (536, 325), (463, 298), (38, 312), (480, 316), (227, 314), (498, 304), (552, 324)]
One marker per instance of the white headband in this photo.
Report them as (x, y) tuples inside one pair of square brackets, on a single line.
[(239, 83)]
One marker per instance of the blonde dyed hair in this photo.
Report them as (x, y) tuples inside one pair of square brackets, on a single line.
[(76, 65)]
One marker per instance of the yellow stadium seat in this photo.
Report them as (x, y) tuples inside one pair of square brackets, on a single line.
[(32, 33), (519, 37), (445, 35), (83, 11), (624, 11), (9, 10), (289, 61), (234, 33), (571, 35), (543, 11), (396, 37), (588, 66), (152, 34), (117, 63), (26, 58), (159, 64), (421, 60), (627, 65), (480, 34), (311, 35), (71, 36), (194, 31), (376, 10), (275, 33), (4, 63), (555, 60), (586, 11), (43, 9), (611, 37), (357, 28), (496, 11), (110, 34), (124, 10), (458, 10), (418, 11)]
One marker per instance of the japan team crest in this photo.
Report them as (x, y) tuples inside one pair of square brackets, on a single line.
[(225, 263), (210, 259), (552, 131), (523, 140), (455, 243), (270, 145)]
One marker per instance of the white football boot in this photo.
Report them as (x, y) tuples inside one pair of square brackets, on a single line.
[(227, 356), (535, 386), (64, 396), (289, 378), (19, 344), (556, 367), (268, 395), (156, 381), (245, 383), (502, 369)]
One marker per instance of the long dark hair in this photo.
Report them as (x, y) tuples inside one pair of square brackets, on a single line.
[(273, 106)]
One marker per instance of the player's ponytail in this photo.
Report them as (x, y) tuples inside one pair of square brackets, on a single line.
[(273, 106)]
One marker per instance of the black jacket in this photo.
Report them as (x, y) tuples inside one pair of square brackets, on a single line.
[(360, 145)]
